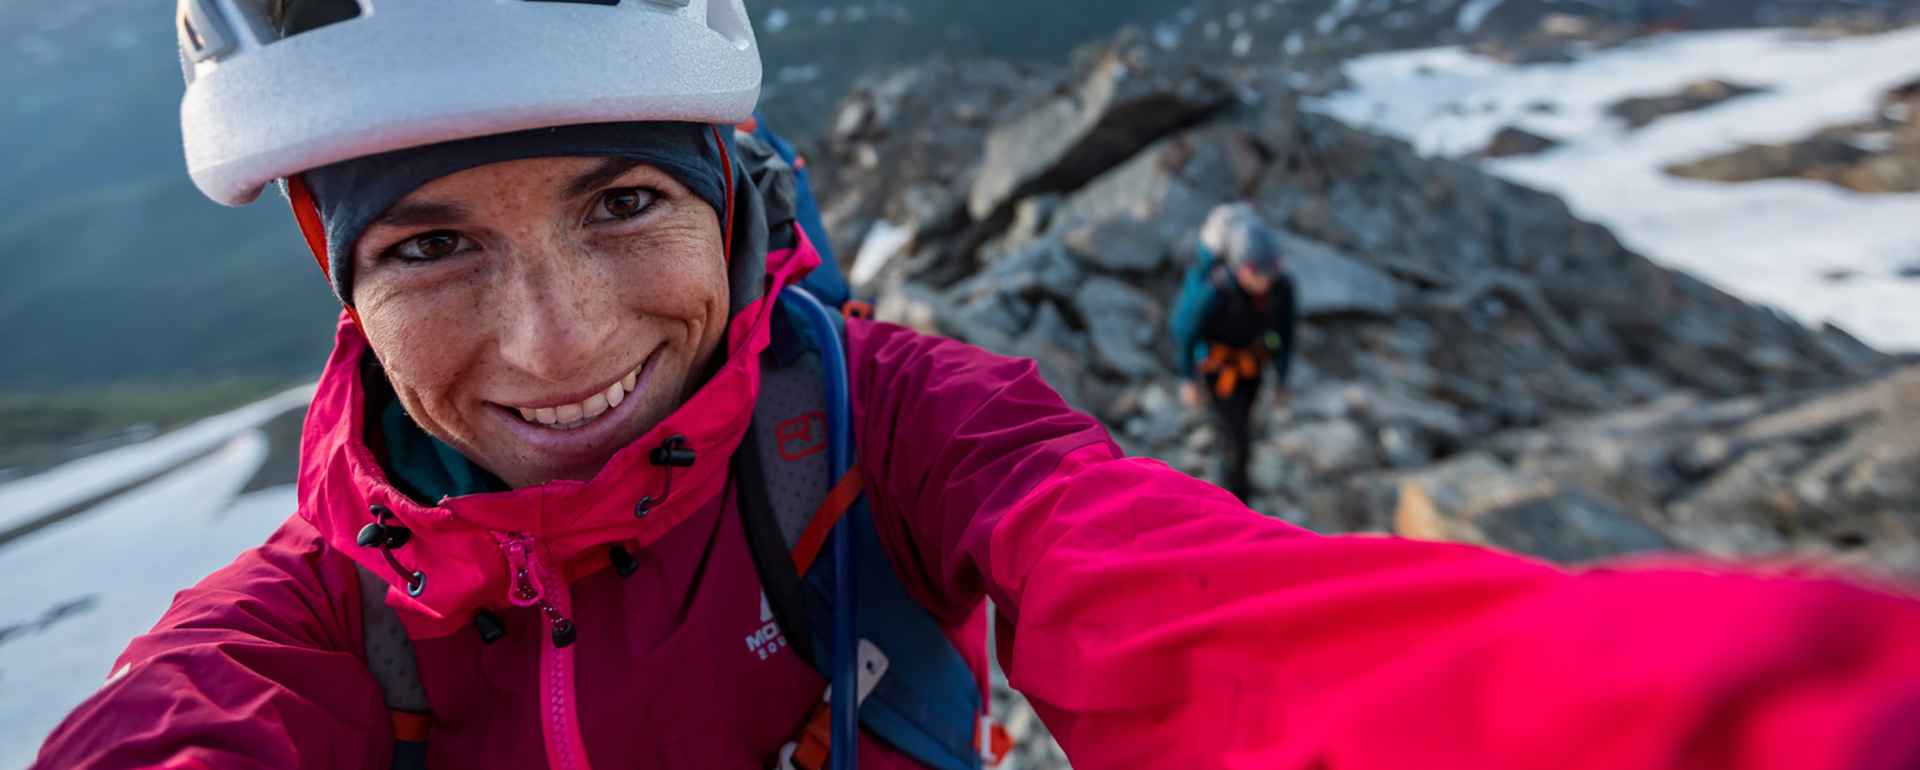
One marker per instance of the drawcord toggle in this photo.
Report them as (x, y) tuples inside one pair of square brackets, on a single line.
[(387, 534), (672, 453)]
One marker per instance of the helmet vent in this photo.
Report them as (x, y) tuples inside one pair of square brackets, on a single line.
[(203, 34), (292, 17), (729, 18)]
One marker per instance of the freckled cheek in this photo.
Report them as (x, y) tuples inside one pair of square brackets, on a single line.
[(680, 282), (426, 348)]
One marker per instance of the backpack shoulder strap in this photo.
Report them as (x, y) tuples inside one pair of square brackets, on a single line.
[(782, 464), (928, 704), (390, 658)]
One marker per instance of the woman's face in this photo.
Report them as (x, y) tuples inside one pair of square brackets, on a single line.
[(538, 315)]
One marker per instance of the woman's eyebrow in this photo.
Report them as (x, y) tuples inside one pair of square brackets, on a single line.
[(422, 213), (591, 181)]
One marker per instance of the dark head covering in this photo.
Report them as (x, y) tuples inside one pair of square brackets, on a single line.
[(351, 194)]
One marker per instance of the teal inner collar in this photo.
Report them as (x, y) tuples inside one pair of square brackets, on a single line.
[(425, 468)]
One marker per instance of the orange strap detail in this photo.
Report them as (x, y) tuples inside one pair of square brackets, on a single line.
[(411, 726), (999, 744), (857, 309), (816, 738), (839, 499), (306, 213), (749, 125)]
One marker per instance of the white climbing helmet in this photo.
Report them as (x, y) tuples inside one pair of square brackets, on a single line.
[(261, 105)]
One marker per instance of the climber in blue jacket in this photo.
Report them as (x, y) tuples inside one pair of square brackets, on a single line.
[(1235, 317)]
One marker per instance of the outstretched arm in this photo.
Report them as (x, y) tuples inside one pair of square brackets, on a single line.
[(1154, 621), (248, 669)]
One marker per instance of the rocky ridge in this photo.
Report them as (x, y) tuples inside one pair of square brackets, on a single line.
[(1475, 362), (1449, 315)]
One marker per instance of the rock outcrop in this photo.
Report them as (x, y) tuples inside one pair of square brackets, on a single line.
[(1878, 155), (1474, 362), (1452, 322)]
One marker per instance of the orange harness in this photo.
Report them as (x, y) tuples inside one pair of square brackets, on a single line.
[(1230, 366)]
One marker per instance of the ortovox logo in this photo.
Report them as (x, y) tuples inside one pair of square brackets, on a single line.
[(801, 437), (767, 639)]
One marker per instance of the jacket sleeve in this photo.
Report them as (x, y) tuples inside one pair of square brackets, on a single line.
[(1189, 312), (1154, 621), (252, 668)]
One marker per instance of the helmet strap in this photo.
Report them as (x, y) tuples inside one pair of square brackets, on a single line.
[(306, 213)]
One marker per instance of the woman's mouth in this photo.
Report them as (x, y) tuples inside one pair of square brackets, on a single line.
[(582, 431), (580, 414)]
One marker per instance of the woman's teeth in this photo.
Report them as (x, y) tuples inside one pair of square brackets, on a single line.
[(570, 416)]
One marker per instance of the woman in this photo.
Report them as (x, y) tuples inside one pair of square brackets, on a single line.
[(558, 289)]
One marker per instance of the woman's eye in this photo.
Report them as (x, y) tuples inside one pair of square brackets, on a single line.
[(624, 203), (439, 244)]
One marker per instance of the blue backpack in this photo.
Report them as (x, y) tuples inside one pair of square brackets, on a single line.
[(1199, 292), (825, 283), (833, 609), (927, 704)]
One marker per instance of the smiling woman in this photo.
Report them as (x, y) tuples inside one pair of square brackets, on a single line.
[(544, 287), (574, 445)]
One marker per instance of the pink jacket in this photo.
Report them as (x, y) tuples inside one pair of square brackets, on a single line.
[(1152, 620)]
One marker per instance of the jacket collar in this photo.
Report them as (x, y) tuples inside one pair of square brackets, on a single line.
[(456, 542)]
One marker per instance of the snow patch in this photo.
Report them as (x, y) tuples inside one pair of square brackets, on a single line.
[(884, 240), (122, 562), (1764, 241), (24, 499)]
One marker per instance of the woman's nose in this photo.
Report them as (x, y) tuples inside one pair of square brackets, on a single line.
[(559, 316)]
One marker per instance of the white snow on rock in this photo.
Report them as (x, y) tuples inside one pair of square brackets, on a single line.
[(1765, 241), (123, 560), (24, 499), (884, 240)]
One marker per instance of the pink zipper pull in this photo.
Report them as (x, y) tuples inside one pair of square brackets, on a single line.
[(526, 590)]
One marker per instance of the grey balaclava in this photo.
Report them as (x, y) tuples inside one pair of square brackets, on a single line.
[(351, 194)]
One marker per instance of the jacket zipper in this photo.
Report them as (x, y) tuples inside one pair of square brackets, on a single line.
[(566, 749)]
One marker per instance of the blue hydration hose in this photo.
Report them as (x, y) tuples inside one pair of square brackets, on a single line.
[(845, 707)]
